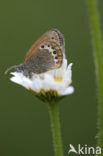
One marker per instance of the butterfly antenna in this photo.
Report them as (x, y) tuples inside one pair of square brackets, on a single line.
[(12, 67)]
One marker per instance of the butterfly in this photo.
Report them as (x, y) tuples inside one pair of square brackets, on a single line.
[(45, 54)]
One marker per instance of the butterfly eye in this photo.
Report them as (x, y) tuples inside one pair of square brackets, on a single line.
[(42, 46), (48, 45), (54, 52), (53, 38)]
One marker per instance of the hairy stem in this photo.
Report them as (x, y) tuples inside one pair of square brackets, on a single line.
[(98, 57), (55, 126)]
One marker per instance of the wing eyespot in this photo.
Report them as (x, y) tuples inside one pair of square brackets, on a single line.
[(54, 52), (42, 46), (56, 57)]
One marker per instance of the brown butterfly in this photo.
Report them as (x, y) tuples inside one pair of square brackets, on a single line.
[(45, 54)]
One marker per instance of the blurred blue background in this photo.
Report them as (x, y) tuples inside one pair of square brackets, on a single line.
[(24, 120)]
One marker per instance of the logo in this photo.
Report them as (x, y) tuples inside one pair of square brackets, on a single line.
[(84, 149)]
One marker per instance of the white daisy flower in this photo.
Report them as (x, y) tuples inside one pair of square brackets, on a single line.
[(54, 83)]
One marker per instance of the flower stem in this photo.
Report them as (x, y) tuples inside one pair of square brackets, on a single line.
[(55, 126), (98, 56)]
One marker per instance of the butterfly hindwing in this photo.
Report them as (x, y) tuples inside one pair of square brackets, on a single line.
[(45, 54)]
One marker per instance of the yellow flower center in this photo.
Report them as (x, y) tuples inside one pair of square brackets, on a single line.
[(58, 80)]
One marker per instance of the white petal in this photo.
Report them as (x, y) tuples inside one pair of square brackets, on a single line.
[(68, 75), (70, 65), (47, 83), (68, 91), (19, 78), (36, 85)]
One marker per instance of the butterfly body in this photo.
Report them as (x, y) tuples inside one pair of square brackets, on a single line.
[(44, 55)]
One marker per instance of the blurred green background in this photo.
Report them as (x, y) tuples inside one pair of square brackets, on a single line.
[(24, 120)]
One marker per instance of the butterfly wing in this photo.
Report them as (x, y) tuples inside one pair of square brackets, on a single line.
[(45, 54)]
